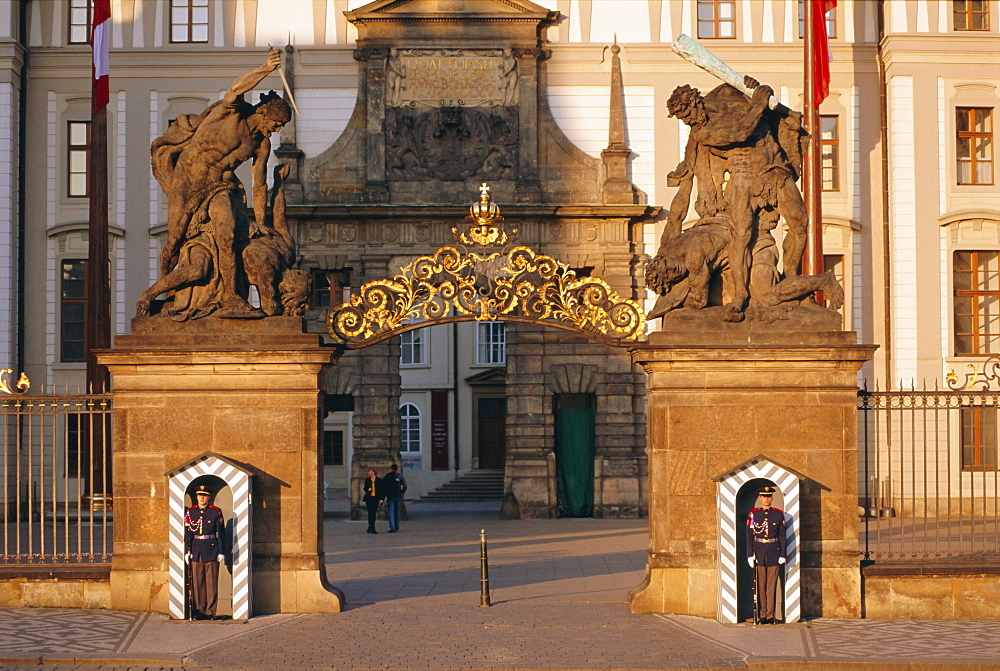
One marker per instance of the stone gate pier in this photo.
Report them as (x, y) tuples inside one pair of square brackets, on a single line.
[(721, 396), (247, 391)]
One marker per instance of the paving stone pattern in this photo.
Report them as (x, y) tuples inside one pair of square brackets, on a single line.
[(558, 589), (928, 641), (454, 636), (26, 630)]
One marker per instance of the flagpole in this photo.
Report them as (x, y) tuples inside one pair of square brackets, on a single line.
[(97, 278), (812, 189)]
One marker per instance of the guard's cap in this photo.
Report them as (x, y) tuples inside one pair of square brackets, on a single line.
[(202, 490), (766, 491)]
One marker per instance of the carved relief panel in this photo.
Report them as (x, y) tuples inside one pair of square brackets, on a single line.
[(451, 114)]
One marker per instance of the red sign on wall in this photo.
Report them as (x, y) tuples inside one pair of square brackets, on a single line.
[(439, 430)]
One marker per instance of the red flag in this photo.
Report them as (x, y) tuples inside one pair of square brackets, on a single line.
[(100, 40), (821, 50)]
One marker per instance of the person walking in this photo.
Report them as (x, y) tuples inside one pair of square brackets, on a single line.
[(203, 532), (394, 486), (373, 497), (766, 549)]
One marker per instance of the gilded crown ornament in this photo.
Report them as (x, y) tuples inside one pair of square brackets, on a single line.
[(486, 229), (495, 282)]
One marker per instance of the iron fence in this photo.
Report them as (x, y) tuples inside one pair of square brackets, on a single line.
[(55, 478), (928, 475)]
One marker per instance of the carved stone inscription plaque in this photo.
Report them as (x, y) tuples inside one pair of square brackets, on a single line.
[(451, 78)]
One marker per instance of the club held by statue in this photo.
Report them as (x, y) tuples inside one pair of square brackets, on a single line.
[(695, 53)]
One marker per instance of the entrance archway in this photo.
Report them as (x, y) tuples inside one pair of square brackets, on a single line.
[(489, 279), (714, 397)]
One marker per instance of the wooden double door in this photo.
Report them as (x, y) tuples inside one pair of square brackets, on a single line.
[(491, 431)]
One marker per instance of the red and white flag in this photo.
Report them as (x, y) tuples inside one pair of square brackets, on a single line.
[(100, 40), (821, 50)]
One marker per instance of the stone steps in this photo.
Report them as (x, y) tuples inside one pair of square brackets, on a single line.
[(477, 485)]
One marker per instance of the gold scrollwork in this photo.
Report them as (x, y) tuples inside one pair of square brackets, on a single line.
[(986, 374), (453, 284), (21, 387)]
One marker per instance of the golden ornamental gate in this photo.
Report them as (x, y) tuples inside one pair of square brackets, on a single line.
[(485, 277)]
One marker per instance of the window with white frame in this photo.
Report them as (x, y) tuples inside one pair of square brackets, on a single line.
[(829, 149), (971, 14), (411, 348), (974, 144), (491, 343), (976, 279), (189, 21), (330, 287), (717, 19), (77, 152), (409, 428), (80, 14), (831, 21)]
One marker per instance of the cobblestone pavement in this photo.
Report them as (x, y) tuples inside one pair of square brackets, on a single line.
[(558, 589)]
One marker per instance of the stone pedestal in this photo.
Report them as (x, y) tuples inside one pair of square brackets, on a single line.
[(247, 391), (718, 398)]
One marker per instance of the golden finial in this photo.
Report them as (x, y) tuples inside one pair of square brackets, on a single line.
[(486, 229)]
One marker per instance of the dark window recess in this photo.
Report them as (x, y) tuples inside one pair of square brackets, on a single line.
[(72, 311), (330, 287), (333, 448), (338, 403)]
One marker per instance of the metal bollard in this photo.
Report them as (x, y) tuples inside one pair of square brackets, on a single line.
[(484, 579)]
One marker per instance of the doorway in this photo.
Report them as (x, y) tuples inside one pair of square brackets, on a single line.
[(222, 497), (491, 431), (746, 500), (575, 454)]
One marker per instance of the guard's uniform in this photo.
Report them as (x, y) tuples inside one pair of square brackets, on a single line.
[(204, 530), (766, 543)]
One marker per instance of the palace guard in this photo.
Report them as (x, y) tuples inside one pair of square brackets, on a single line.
[(765, 553), (204, 530)]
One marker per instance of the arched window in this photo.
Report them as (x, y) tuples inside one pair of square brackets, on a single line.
[(409, 428)]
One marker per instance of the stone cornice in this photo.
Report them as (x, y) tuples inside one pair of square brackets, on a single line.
[(429, 212)]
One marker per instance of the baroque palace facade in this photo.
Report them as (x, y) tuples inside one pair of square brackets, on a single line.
[(407, 106)]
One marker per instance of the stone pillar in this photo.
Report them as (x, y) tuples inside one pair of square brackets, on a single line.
[(530, 461), (245, 390), (376, 417), (529, 188), (376, 399), (544, 362), (373, 74), (718, 398)]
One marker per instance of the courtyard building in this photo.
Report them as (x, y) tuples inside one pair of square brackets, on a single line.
[(559, 106)]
